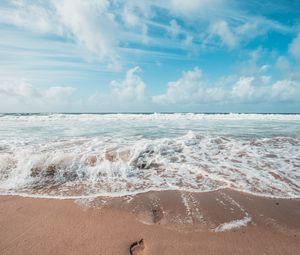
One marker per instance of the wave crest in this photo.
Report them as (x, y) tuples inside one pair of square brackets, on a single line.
[(193, 162)]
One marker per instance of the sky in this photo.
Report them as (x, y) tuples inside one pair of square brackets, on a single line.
[(150, 56)]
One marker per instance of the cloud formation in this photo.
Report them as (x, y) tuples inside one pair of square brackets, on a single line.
[(102, 27), (191, 89), (20, 94), (174, 28), (132, 88), (125, 95), (294, 47), (247, 55), (223, 31), (88, 23)]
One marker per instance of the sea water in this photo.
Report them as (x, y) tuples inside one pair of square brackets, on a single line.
[(87, 155)]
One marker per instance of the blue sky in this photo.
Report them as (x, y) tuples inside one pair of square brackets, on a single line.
[(172, 55)]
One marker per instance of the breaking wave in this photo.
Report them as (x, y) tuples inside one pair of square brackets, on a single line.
[(150, 116), (91, 166)]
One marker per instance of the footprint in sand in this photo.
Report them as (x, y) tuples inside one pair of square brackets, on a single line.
[(137, 247), (153, 216), (157, 214)]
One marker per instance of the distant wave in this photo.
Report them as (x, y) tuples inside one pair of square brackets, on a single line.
[(149, 116)]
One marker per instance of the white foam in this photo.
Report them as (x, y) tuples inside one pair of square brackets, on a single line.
[(233, 224), (54, 156), (152, 116)]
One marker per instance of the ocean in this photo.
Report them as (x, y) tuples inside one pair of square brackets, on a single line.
[(88, 155)]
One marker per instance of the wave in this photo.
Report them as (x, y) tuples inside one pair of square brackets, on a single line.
[(152, 116), (85, 167)]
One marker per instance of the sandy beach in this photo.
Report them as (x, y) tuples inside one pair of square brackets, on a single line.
[(147, 127), (169, 222)]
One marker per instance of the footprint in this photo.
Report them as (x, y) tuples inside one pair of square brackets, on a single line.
[(152, 216), (158, 214), (137, 247)]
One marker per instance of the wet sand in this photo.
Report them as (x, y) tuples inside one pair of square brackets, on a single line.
[(169, 222)]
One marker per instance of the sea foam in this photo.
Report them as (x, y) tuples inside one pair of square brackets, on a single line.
[(73, 156)]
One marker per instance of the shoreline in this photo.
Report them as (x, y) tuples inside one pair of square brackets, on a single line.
[(169, 222), (117, 195)]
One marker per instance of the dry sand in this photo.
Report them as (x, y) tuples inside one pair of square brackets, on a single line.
[(169, 222)]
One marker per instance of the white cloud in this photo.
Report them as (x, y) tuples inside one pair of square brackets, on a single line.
[(294, 47), (124, 95), (252, 28), (38, 17), (130, 18), (260, 89), (191, 89), (266, 79), (188, 40), (286, 90), (264, 68), (223, 31), (243, 89), (135, 15), (130, 94), (30, 98), (102, 27), (18, 89), (233, 27), (283, 63), (132, 88), (174, 29), (192, 7), (250, 89), (57, 93), (90, 23)]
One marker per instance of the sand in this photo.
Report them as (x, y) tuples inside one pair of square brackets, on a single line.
[(169, 222)]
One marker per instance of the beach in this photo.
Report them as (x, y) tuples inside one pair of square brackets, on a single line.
[(149, 127), (149, 184), (168, 222)]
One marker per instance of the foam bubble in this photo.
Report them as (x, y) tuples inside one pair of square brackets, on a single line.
[(67, 156), (150, 116), (233, 224)]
